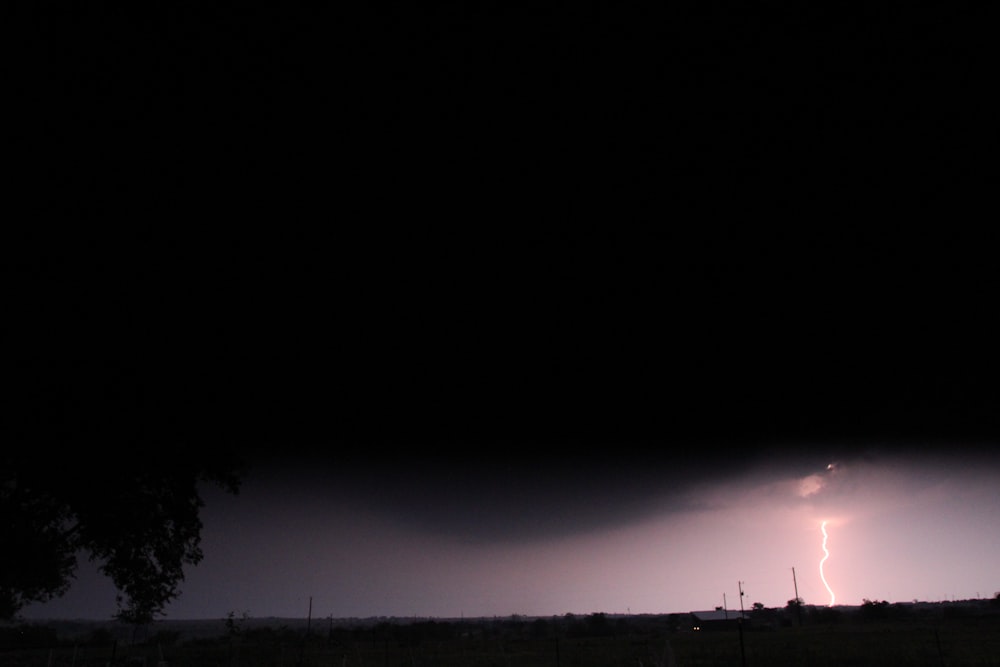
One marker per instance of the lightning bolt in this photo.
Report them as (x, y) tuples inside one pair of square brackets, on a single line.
[(826, 554)]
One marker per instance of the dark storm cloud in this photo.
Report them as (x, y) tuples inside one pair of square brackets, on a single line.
[(517, 494)]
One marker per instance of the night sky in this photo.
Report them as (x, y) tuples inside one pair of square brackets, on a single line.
[(535, 322), (480, 442)]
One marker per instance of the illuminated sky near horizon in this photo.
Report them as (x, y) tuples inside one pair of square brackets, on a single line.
[(451, 426), (901, 527)]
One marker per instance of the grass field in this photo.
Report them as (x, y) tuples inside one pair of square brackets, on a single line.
[(951, 642)]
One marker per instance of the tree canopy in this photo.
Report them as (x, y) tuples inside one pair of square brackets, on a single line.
[(94, 466), (111, 432), (142, 525)]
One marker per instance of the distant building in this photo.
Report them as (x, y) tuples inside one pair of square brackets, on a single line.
[(717, 619)]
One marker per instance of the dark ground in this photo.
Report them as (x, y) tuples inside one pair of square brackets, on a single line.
[(958, 633)]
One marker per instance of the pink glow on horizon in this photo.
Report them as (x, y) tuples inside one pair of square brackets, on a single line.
[(918, 529)]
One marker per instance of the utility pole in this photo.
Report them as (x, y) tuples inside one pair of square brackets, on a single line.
[(743, 654), (798, 603), (305, 637)]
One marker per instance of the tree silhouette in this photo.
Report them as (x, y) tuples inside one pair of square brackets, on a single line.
[(142, 526), (111, 432), (874, 609)]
